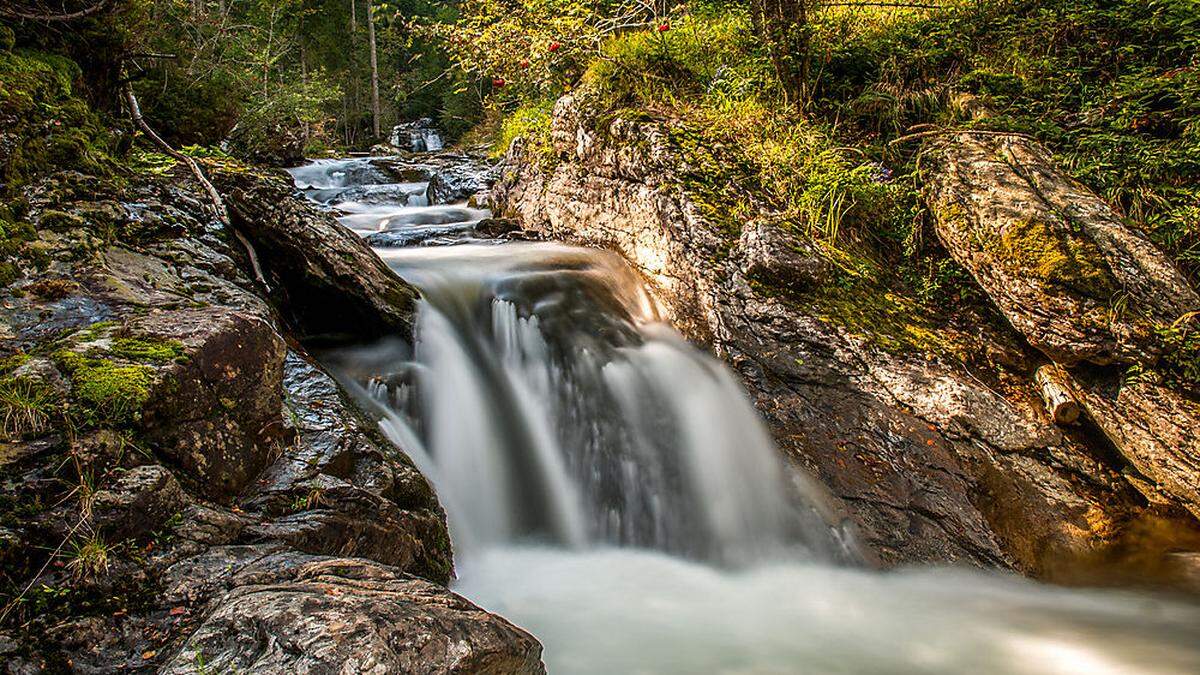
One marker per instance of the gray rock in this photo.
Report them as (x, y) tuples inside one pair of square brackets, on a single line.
[(774, 256), (459, 181), (139, 501), (327, 281)]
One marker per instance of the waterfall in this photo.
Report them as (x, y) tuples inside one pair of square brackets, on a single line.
[(612, 489), (555, 408)]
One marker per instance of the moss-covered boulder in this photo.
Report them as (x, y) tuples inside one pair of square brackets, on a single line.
[(1060, 264)]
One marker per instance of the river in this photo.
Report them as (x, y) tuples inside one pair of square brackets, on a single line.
[(611, 489)]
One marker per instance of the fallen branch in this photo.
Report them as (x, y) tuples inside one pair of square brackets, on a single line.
[(135, 111), (10, 13), (1054, 385)]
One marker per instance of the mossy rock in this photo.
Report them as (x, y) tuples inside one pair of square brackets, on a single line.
[(111, 376), (44, 124), (1054, 255)]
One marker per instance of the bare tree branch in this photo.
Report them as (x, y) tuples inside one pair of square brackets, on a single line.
[(28, 15), (135, 112)]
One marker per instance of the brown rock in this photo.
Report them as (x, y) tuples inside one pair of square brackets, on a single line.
[(1154, 428)]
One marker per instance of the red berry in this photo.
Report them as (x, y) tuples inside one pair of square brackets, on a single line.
[(524, 63), (498, 82), (664, 27), (554, 46)]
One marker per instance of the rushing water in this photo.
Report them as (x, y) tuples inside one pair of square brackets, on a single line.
[(610, 488)]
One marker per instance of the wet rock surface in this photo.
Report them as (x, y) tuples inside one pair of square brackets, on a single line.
[(290, 613), (932, 458), (174, 466)]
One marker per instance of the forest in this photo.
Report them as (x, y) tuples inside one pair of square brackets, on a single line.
[(684, 335)]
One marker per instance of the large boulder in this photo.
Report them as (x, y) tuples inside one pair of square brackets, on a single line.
[(1060, 264), (324, 277), (289, 613)]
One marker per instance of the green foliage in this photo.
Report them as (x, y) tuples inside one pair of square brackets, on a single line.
[(88, 559), (1181, 349), (289, 110), (530, 122), (709, 56), (1110, 85)]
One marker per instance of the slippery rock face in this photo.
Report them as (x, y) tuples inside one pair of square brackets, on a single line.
[(199, 472), (1055, 258), (929, 462), (314, 615), (324, 277)]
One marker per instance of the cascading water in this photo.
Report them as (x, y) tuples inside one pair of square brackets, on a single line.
[(611, 489)]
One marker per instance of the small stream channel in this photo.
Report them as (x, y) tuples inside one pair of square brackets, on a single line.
[(611, 489)]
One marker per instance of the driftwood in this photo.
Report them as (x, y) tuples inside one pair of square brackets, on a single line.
[(135, 112), (1055, 388)]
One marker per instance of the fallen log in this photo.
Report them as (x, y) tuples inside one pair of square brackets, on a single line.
[(1054, 385)]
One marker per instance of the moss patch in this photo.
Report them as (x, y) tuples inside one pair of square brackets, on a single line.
[(1053, 255), (107, 392), (111, 376), (147, 350), (889, 320), (43, 123)]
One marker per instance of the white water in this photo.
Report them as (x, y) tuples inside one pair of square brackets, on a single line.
[(610, 489)]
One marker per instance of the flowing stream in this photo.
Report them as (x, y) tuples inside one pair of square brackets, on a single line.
[(611, 489)]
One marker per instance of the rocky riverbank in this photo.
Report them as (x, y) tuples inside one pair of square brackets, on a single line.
[(183, 488), (929, 429)]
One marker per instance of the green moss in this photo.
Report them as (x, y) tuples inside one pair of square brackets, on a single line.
[(45, 124), (106, 392), (11, 363), (147, 350), (889, 320), (1056, 256)]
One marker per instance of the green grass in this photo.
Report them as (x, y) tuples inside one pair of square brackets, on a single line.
[(27, 406), (530, 122)]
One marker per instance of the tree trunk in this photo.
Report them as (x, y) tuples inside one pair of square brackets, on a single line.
[(783, 25), (353, 17), (374, 71)]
